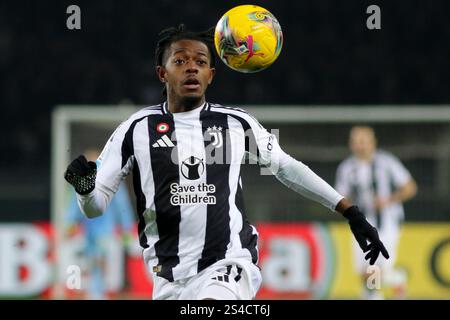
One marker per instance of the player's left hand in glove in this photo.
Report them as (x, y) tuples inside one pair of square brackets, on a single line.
[(363, 232), (81, 175)]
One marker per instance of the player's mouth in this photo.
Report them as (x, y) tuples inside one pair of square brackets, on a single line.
[(191, 84)]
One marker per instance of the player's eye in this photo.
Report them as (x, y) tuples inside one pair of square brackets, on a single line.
[(178, 61), (202, 62)]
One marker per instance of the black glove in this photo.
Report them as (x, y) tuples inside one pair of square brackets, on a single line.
[(81, 175), (363, 231)]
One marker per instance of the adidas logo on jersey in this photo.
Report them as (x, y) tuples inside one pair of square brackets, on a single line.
[(164, 142)]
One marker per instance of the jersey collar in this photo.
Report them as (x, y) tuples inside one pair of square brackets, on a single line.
[(165, 107)]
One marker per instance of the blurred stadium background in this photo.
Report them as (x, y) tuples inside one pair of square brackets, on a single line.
[(63, 91)]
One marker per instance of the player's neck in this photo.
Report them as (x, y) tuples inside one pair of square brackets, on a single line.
[(365, 157), (176, 105)]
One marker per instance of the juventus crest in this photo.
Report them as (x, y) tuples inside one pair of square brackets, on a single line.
[(216, 136)]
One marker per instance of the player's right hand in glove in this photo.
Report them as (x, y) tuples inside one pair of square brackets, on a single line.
[(363, 232), (81, 175)]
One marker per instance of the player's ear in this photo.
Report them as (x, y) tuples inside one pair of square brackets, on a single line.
[(212, 73), (161, 72)]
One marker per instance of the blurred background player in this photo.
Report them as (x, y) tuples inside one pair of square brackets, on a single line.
[(99, 233), (378, 183)]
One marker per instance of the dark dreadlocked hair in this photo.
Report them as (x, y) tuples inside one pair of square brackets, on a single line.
[(171, 35)]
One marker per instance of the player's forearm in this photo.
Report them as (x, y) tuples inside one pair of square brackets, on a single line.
[(303, 180), (404, 193), (95, 203), (343, 205)]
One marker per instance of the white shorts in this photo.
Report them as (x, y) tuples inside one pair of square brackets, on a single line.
[(227, 279)]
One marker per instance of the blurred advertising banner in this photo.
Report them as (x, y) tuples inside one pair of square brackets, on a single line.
[(28, 268), (298, 261), (423, 252)]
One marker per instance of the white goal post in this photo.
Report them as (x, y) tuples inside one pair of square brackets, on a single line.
[(64, 116)]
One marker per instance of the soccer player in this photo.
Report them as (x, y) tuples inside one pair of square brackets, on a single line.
[(378, 183), (186, 155)]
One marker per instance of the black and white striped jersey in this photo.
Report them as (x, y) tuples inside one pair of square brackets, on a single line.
[(186, 174), (362, 181)]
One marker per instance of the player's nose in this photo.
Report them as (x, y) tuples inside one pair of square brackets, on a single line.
[(191, 67)]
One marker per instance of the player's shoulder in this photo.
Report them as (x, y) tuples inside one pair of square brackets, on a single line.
[(146, 111), (142, 114), (386, 156), (226, 109), (236, 112), (347, 164), (133, 119)]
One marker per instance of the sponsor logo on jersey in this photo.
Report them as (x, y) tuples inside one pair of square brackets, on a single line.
[(163, 142), (192, 168), (192, 194)]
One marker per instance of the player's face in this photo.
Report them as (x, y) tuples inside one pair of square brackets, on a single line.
[(362, 142), (187, 72)]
